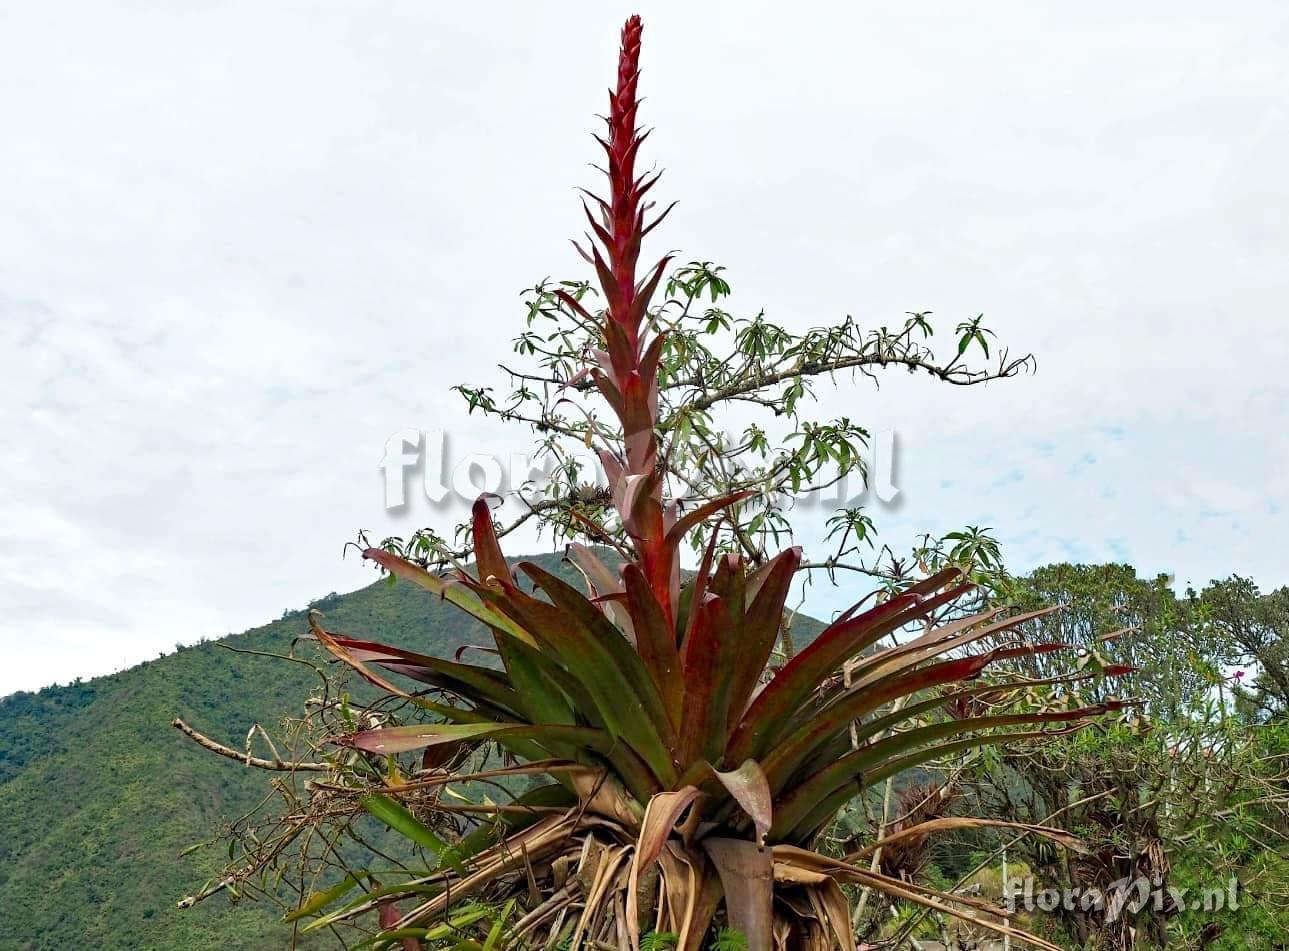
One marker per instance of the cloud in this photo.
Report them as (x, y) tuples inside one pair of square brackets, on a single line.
[(245, 244)]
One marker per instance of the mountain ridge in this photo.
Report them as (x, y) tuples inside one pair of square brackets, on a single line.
[(99, 795)]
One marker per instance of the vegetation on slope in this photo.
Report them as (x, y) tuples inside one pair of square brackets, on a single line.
[(98, 796)]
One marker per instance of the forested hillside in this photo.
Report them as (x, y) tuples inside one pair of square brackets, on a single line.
[(99, 795)]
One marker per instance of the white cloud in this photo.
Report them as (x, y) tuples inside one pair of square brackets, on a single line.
[(243, 244)]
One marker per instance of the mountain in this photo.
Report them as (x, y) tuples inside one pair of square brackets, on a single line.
[(99, 795)]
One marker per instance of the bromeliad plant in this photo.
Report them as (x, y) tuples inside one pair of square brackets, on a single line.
[(690, 777)]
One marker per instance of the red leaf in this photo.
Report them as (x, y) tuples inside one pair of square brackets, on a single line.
[(676, 534), (774, 708), (487, 550), (655, 641), (760, 630)]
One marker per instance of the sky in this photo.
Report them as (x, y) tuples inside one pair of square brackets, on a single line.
[(242, 244)]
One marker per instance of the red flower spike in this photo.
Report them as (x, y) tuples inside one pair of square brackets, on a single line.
[(627, 373)]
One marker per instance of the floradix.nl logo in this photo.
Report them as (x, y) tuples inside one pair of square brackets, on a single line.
[(1126, 896), (446, 475)]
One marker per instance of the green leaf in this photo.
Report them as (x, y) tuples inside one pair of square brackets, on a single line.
[(395, 815), (498, 927), (466, 680), (600, 657), (402, 739), (774, 710), (458, 594), (320, 900)]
